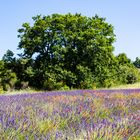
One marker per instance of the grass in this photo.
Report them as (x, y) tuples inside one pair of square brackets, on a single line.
[(128, 86), (22, 91), (31, 90)]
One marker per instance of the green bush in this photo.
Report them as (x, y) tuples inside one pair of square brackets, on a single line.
[(22, 85), (128, 75), (7, 77), (131, 78), (1, 89), (85, 78), (49, 84), (65, 87)]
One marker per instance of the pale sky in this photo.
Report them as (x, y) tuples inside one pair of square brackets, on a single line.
[(124, 15)]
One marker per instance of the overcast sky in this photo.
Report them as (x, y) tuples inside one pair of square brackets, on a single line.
[(124, 15)]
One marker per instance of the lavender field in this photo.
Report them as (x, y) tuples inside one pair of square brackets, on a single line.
[(71, 115)]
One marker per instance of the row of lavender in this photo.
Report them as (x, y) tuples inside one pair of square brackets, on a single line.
[(82, 114)]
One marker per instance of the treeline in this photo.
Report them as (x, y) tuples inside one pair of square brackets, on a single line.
[(66, 52)]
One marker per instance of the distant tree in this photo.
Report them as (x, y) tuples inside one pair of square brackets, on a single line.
[(8, 56), (7, 77), (123, 59), (9, 60), (137, 62), (128, 74)]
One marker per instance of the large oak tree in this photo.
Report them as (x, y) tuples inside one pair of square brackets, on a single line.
[(60, 43)]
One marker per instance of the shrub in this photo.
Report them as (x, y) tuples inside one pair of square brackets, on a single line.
[(131, 78), (128, 75), (84, 77), (1, 89)]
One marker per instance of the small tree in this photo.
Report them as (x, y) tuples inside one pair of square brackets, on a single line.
[(137, 62), (7, 77)]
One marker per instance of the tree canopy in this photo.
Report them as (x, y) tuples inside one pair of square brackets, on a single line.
[(69, 41)]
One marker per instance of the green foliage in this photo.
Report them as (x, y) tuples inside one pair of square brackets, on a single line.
[(8, 57), (65, 87), (7, 77), (131, 78), (56, 78), (50, 84), (8, 80), (85, 77), (22, 85), (64, 52), (128, 75), (137, 62), (123, 59), (77, 48), (1, 89)]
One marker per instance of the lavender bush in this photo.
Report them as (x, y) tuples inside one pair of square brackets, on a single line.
[(71, 115)]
